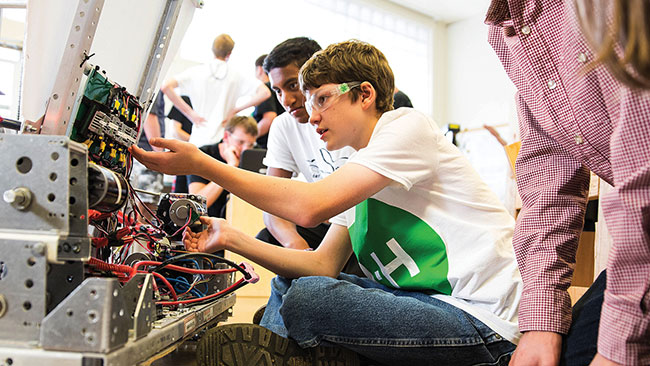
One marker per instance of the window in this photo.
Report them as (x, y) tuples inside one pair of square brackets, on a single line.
[(12, 28), (406, 42)]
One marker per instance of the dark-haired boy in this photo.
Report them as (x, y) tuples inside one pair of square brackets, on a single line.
[(293, 146), (442, 285)]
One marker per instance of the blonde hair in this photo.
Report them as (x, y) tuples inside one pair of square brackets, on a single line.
[(348, 61), (222, 46), (248, 123), (619, 32)]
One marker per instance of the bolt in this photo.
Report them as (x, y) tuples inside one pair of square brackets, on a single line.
[(3, 306), (39, 248), (19, 198), (10, 196)]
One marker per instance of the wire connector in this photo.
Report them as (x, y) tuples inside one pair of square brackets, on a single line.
[(252, 276)]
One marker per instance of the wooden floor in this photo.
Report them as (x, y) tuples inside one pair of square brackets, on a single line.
[(251, 297)]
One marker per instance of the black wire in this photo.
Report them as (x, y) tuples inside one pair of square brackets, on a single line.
[(86, 58), (189, 255), (10, 124), (237, 287)]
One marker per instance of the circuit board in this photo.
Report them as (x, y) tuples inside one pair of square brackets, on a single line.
[(108, 121)]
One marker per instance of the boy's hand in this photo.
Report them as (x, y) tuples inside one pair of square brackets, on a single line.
[(181, 159), (538, 349), (210, 240), (196, 118)]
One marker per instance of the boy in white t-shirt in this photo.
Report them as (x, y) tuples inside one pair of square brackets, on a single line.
[(294, 147), (442, 285)]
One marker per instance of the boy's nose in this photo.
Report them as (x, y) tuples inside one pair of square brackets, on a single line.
[(314, 118), (285, 101)]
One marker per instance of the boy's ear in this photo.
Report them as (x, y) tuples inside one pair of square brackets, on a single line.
[(368, 95)]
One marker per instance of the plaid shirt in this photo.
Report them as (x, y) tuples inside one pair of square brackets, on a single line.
[(573, 121)]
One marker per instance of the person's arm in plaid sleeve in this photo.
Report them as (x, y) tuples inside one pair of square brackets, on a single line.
[(553, 188)]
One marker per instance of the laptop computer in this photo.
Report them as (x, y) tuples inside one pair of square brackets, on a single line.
[(251, 159)]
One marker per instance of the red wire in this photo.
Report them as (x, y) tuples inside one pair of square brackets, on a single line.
[(229, 288), (111, 267), (189, 217), (184, 269), (130, 271), (164, 280)]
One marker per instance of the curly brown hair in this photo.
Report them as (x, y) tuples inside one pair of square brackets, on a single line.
[(348, 61)]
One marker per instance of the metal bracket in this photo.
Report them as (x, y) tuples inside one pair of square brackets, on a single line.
[(92, 318), (158, 51), (138, 293), (54, 169), (23, 287)]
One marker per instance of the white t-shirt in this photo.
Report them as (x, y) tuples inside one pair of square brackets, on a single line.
[(437, 227), (296, 147), (214, 89)]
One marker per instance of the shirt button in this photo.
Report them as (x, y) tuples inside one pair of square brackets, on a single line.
[(525, 30), (579, 140), (551, 84), (582, 57)]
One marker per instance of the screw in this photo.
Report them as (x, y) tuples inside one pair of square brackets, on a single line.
[(39, 248)]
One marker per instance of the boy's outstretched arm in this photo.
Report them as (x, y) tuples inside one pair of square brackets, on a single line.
[(285, 232), (306, 204), (327, 260)]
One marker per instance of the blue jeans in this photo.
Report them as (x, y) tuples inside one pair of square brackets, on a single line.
[(389, 326)]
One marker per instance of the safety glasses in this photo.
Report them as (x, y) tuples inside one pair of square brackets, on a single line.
[(323, 98)]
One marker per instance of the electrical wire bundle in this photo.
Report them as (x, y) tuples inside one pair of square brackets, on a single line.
[(196, 270), (135, 223), (181, 278)]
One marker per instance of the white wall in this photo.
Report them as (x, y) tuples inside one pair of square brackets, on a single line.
[(256, 26), (440, 74), (479, 92)]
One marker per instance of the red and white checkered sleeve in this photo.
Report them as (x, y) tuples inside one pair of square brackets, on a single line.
[(553, 187)]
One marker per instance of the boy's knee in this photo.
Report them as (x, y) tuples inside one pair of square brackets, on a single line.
[(314, 284), (305, 294), (280, 284)]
